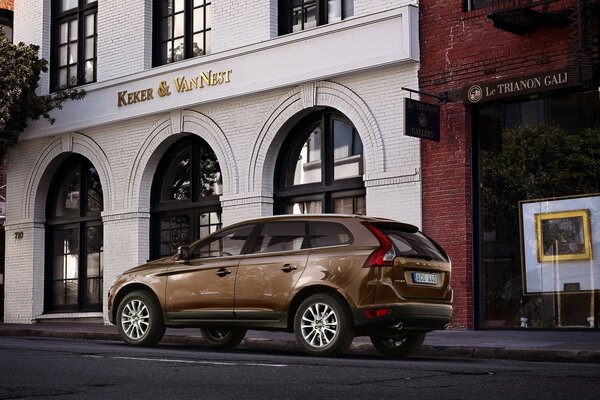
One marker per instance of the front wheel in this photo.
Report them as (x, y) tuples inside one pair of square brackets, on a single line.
[(323, 326), (398, 346), (222, 338), (139, 319)]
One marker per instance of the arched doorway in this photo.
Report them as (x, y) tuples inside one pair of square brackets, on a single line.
[(320, 167), (74, 238), (185, 196)]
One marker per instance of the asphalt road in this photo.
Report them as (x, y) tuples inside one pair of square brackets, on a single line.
[(34, 368)]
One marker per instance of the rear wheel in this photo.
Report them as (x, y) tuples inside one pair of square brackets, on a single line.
[(223, 338), (139, 319), (398, 346), (323, 326)]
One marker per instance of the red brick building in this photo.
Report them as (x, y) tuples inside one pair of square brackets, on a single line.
[(519, 154)]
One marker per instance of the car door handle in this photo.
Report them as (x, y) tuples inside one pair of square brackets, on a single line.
[(289, 268), (223, 272)]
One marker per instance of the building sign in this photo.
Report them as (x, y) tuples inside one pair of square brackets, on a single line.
[(518, 87), (180, 84), (422, 120)]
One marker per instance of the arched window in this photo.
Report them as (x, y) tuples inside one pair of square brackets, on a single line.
[(185, 196), (74, 238), (320, 167)]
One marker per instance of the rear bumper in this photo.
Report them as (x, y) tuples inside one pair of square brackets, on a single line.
[(410, 317)]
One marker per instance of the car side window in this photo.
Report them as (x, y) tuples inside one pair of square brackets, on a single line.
[(227, 243), (323, 234), (281, 236)]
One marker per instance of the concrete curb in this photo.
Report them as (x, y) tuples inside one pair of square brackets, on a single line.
[(258, 344)]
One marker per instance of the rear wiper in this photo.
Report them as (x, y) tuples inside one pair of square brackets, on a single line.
[(422, 256)]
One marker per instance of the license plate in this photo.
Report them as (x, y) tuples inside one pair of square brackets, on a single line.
[(427, 279)]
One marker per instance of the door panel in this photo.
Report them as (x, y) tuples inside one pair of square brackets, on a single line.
[(265, 281), (203, 288)]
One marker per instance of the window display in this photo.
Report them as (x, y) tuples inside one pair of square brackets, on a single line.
[(538, 211)]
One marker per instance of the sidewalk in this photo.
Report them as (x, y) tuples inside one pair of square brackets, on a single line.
[(524, 345)]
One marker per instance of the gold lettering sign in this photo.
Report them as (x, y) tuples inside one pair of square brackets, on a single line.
[(181, 84)]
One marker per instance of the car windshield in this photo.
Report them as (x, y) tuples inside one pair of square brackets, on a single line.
[(412, 243)]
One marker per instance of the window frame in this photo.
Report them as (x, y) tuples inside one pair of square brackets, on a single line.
[(79, 13), (285, 7), (82, 222), (328, 188), (192, 207), (188, 31)]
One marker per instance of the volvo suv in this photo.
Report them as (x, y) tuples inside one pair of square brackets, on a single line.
[(326, 278)]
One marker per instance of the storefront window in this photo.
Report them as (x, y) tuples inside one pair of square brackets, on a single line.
[(539, 213)]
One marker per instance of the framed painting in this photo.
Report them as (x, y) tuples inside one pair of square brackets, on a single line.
[(563, 236)]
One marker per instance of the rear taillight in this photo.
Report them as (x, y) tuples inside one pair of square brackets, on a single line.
[(384, 255)]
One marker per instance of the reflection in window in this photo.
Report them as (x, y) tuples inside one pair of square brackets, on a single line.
[(280, 236), (320, 167), (68, 196), (308, 167), (174, 232), (176, 185), (183, 29), (299, 15), (328, 234), (74, 43), (350, 205), (228, 243), (185, 194), (305, 207), (75, 238), (347, 151), (533, 151)]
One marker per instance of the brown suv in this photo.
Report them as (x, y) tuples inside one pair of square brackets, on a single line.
[(327, 278)]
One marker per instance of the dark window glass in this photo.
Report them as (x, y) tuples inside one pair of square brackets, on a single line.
[(181, 30), (320, 167), (409, 243), (177, 182), (324, 234), (299, 15), (537, 161), (186, 191), (74, 237), (227, 243), (73, 59), (281, 236)]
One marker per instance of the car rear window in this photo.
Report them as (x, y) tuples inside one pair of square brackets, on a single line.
[(323, 234), (412, 243)]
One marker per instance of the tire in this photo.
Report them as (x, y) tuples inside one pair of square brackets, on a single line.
[(398, 346), (140, 320), (323, 326), (223, 338)]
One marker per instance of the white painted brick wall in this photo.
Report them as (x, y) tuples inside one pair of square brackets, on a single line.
[(124, 38), (394, 193), (235, 24)]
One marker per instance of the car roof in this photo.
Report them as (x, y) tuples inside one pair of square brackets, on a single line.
[(289, 217)]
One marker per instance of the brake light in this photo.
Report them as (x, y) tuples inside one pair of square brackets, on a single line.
[(384, 255)]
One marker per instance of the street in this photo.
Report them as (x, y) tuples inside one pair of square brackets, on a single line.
[(72, 369)]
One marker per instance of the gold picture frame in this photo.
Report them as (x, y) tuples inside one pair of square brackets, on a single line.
[(563, 236)]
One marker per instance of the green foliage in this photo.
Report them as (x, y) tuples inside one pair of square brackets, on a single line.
[(20, 69), (538, 162)]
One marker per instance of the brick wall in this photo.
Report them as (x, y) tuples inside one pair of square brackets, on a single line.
[(458, 49), (7, 4)]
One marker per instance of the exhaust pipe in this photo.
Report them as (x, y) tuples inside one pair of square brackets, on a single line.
[(398, 326)]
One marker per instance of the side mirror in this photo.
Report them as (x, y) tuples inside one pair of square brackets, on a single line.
[(183, 253)]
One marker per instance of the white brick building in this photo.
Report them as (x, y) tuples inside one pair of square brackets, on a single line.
[(247, 90)]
